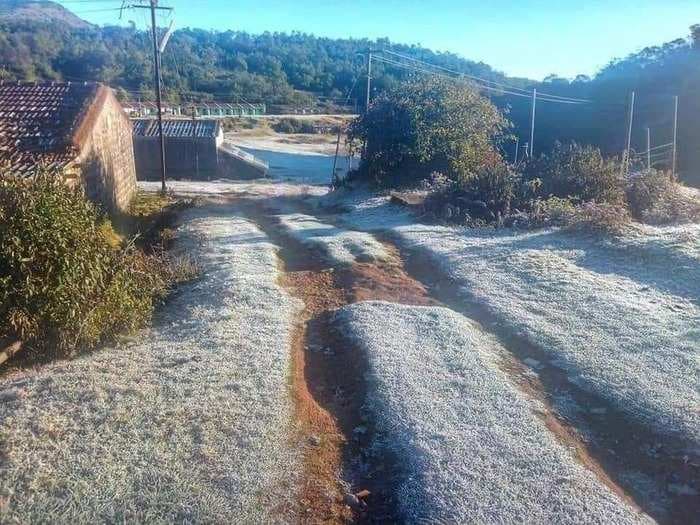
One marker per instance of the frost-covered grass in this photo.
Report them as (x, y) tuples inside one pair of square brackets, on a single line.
[(620, 315), (627, 329), (339, 246), (258, 188), (190, 422), (469, 446)]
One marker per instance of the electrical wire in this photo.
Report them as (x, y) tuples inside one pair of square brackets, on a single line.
[(480, 79)]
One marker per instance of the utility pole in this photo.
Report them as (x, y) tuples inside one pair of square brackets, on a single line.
[(628, 145), (369, 77), (153, 6), (532, 122), (648, 149), (517, 145), (675, 137)]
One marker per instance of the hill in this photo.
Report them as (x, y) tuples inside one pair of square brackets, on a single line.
[(43, 40), (39, 11)]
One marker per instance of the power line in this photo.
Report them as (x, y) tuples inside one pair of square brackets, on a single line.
[(484, 80), (493, 89)]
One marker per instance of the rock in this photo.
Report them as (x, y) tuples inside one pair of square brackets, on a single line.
[(354, 502), (363, 494), (682, 489), (360, 430), (533, 363), (315, 440)]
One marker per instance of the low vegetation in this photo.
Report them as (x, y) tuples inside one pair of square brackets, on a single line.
[(293, 125), (68, 280), (444, 137)]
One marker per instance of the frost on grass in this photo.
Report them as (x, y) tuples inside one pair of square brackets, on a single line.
[(471, 449), (189, 423), (257, 188), (621, 316), (340, 246)]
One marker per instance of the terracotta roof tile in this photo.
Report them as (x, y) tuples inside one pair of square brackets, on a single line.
[(37, 123)]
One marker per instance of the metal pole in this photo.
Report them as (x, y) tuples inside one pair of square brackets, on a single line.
[(628, 145), (648, 148), (369, 77), (156, 60), (532, 122), (675, 136), (194, 142)]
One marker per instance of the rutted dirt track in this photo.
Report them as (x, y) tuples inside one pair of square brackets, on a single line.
[(329, 388), (327, 379), (300, 294)]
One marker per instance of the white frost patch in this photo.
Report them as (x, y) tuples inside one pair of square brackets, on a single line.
[(257, 188), (624, 327), (470, 448), (190, 423), (622, 315), (343, 247)]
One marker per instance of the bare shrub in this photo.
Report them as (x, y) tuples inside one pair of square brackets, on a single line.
[(579, 173), (591, 217), (655, 198)]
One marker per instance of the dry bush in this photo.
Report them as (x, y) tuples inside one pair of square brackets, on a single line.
[(575, 172), (591, 217), (293, 125), (654, 197)]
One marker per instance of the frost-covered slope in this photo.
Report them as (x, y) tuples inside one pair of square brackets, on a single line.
[(621, 315), (628, 331), (190, 424), (471, 448), (340, 246)]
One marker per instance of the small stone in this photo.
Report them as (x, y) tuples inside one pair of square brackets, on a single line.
[(533, 363), (315, 440), (682, 490), (363, 494), (353, 502)]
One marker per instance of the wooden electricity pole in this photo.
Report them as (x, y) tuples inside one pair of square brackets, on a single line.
[(153, 6), (532, 122)]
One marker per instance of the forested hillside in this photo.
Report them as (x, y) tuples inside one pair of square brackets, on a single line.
[(299, 69)]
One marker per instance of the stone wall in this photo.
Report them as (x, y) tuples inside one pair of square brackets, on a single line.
[(106, 157)]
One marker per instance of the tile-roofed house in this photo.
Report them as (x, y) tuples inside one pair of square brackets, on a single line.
[(194, 149), (75, 130)]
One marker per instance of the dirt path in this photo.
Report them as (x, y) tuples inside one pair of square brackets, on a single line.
[(602, 439), (328, 379)]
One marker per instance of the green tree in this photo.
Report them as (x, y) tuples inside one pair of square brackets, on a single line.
[(425, 125)]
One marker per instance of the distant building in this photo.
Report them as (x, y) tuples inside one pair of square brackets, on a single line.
[(194, 149), (78, 131)]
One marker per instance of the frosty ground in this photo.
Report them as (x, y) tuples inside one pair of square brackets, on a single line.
[(189, 422), (469, 426)]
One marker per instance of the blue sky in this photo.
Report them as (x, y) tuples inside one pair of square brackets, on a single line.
[(530, 38)]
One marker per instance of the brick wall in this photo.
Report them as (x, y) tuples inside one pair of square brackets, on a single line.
[(107, 154)]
